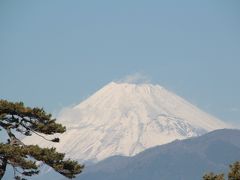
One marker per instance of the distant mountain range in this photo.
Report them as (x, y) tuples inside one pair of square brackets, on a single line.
[(180, 160), (125, 119)]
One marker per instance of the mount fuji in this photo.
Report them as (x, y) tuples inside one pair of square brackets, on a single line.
[(125, 119)]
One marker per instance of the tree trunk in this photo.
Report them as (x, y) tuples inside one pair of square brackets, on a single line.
[(3, 167)]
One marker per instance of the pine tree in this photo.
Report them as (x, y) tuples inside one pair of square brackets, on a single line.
[(212, 176), (15, 117), (234, 173)]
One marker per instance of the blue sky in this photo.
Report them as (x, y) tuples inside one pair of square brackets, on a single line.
[(56, 53)]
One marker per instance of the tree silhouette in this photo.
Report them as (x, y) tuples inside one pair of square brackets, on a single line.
[(212, 176), (15, 117), (233, 174)]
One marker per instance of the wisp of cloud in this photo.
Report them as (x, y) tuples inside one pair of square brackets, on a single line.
[(136, 78)]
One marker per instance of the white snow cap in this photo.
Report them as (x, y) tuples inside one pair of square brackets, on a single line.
[(125, 119)]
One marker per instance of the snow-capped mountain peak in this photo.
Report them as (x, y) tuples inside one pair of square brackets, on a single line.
[(125, 119)]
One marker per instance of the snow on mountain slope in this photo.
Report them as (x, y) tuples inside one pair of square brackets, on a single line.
[(125, 119)]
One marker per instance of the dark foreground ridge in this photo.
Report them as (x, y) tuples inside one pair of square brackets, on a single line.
[(187, 159)]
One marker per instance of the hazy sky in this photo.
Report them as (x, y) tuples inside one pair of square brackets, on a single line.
[(56, 53)]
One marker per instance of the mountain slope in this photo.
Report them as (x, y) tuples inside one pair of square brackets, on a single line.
[(125, 119), (180, 160)]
